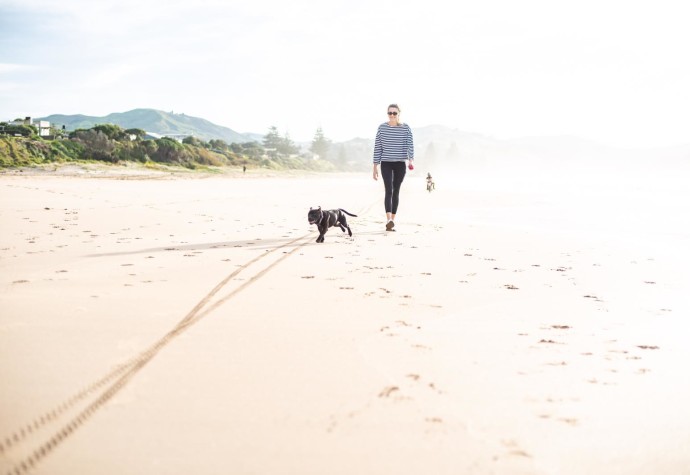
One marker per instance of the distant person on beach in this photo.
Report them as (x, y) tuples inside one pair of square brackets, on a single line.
[(393, 147)]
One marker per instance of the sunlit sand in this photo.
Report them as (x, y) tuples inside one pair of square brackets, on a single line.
[(515, 323)]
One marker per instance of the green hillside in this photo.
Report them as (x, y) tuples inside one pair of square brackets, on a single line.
[(111, 144), (155, 121)]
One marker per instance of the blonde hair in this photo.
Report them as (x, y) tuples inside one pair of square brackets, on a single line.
[(397, 117)]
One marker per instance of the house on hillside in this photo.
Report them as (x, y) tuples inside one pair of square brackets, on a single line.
[(42, 126)]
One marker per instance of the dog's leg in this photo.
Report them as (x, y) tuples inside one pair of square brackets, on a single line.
[(343, 224), (322, 233)]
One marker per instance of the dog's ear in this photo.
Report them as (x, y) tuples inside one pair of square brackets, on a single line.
[(319, 208)]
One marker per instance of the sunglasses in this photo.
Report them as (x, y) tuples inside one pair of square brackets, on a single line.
[(392, 113)]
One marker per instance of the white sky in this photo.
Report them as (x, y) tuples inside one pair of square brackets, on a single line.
[(610, 70)]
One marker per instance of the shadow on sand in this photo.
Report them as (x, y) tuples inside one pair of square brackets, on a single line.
[(249, 244)]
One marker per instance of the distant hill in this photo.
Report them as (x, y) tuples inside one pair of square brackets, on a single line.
[(155, 121), (436, 146)]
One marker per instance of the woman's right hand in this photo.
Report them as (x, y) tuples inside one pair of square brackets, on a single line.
[(376, 172)]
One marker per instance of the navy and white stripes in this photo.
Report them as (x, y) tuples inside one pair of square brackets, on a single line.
[(393, 143)]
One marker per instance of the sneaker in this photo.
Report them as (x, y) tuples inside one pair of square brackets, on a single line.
[(390, 225)]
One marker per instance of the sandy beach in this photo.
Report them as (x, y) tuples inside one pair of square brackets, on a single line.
[(156, 323)]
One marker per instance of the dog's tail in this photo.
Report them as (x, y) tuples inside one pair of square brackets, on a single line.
[(347, 212)]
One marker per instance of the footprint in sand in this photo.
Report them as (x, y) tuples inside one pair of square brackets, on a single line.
[(514, 448), (385, 290), (618, 351), (387, 391), (405, 324), (434, 420), (384, 329)]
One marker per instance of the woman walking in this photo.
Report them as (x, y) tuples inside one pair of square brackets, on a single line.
[(393, 147)]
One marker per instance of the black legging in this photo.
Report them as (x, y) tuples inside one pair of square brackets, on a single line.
[(393, 174)]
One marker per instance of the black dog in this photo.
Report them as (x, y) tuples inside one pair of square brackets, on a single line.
[(326, 219)]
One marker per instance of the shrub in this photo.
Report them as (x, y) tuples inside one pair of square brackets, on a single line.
[(97, 145), (66, 149), (170, 151)]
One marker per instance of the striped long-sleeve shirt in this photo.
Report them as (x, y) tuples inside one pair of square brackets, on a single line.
[(393, 143)]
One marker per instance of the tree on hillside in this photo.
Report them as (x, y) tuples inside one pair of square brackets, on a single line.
[(320, 145), (277, 145), (250, 149), (191, 140), (271, 142), (272, 138), (217, 144), (170, 151), (140, 133), (287, 146), (96, 143), (113, 132)]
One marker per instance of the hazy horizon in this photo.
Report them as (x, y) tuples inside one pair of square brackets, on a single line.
[(605, 71)]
